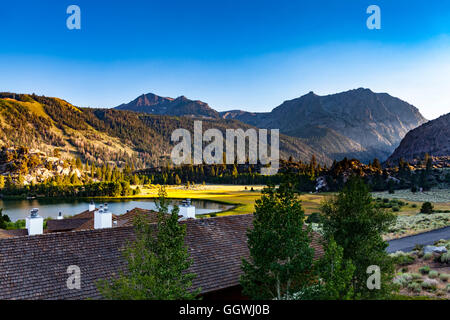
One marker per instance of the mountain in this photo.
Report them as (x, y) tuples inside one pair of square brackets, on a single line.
[(432, 137), (357, 123), (109, 135), (181, 106)]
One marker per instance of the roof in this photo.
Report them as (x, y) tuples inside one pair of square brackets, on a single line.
[(65, 224), (85, 221), (122, 220), (127, 219), (35, 267), (13, 233), (80, 221)]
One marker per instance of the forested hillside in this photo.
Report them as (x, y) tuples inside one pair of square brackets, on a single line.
[(107, 135)]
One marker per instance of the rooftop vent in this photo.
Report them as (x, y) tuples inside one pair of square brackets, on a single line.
[(34, 212), (34, 223), (103, 218), (91, 206), (187, 210)]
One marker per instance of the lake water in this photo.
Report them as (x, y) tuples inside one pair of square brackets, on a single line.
[(20, 209)]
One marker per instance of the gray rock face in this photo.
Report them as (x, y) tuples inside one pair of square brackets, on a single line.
[(181, 106), (432, 137), (357, 123), (431, 249)]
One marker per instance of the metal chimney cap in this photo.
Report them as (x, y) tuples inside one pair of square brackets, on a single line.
[(34, 212)]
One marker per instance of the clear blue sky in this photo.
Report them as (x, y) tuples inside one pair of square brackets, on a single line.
[(233, 54)]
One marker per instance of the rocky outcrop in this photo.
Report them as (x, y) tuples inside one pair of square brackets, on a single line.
[(181, 106), (432, 137), (356, 123)]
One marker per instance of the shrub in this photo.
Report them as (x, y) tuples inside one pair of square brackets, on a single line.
[(414, 286), (427, 208), (414, 205), (416, 276), (403, 279), (433, 274), (444, 277), (448, 288), (445, 258), (396, 209), (428, 256), (424, 270), (404, 259), (429, 284), (314, 218)]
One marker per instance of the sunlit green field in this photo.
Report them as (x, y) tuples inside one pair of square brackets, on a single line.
[(243, 198)]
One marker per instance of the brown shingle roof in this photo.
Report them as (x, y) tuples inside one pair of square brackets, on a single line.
[(13, 233), (36, 267), (127, 219)]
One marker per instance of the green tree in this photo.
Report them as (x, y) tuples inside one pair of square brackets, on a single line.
[(427, 208), (4, 219), (78, 163), (376, 164), (352, 220), (336, 273), (234, 173), (428, 162), (281, 259), (157, 261)]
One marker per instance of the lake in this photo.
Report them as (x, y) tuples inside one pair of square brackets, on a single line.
[(20, 209)]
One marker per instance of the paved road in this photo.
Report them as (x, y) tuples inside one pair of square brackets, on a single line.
[(406, 244)]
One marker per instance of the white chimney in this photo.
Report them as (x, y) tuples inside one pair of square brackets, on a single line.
[(60, 217), (187, 210), (91, 206), (102, 218), (34, 223)]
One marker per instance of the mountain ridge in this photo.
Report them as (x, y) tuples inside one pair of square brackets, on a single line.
[(181, 106), (109, 135), (355, 123)]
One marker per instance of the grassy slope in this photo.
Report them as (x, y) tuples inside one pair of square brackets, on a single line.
[(244, 200)]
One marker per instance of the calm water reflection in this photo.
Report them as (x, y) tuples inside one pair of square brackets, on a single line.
[(19, 209)]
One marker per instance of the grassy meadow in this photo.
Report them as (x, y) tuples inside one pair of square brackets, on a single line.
[(242, 197), (403, 203)]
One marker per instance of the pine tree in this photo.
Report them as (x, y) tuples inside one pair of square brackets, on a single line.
[(352, 220), (281, 259), (336, 273), (376, 164), (157, 265)]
